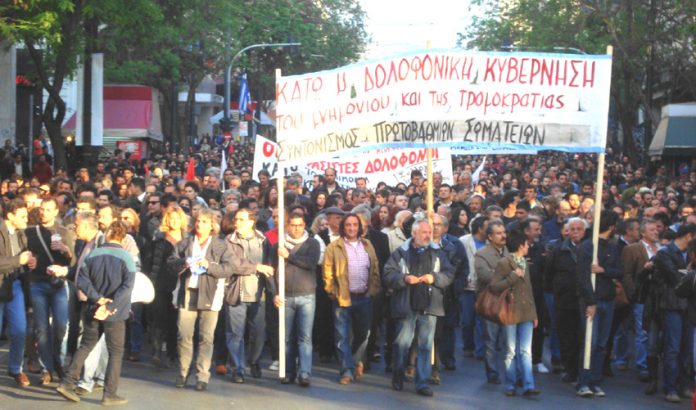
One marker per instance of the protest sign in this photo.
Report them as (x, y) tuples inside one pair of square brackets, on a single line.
[(442, 98), (387, 165)]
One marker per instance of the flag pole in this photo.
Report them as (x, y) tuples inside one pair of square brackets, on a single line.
[(280, 175), (599, 184)]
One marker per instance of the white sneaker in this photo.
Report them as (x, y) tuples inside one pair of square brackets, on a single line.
[(274, 365), (541, 369)]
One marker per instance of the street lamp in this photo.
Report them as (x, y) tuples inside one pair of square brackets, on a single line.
[(228, 71)]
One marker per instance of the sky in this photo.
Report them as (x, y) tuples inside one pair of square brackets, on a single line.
[(400, 25)]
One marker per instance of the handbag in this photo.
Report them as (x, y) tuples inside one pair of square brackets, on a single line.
[(143, 291), (621, 299), (496, 308)]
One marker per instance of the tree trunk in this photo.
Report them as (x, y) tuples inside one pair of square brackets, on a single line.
[(52, 118)]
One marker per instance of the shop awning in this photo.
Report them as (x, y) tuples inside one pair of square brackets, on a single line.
[(675, 136)]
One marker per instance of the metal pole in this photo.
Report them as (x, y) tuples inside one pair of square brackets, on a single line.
[(228, 71)]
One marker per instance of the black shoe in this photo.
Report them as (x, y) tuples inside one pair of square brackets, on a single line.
[(304, 381), (510, 393), (531, 392), (606, 371), (113, 401), (567, 378), (238, 378), (255, 371), (68, 392), (201, 386), (493, 380), (376, 357), (398, 382), (180, 382), (450, 367), (426, 391), (287, 380)]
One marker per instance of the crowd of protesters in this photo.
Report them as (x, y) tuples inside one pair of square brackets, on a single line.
[(369, 276)]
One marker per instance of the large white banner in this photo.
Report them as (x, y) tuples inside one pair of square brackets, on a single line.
[(387, 165), (476, 100)]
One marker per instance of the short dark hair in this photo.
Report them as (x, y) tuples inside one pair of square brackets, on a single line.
[(342, 227), (515, 240), (139, 182), (191, 185), (478, 224), (13, 206), (108, 193), (685, 229), (607, 220), (524, 205)]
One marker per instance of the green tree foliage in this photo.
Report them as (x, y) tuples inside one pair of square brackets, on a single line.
[(652, 39)]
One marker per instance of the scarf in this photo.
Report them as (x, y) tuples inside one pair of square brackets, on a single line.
[(521, 262), (291, 243)]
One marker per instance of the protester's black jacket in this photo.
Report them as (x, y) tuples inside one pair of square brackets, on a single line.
[(668, 262), (561, 271), (608, 258)]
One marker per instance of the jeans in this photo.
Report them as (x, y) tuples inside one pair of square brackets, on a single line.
[(115, 340), (136, 327), (672, 323), (621, 351), (494, 339), (356, 318), (94, 367), (423, 327), (471, 324), (554, 344), (641, 338), (518, 338), (46, 302), (13, 311), (446, 335), (251, 315), (601, 327), (299, 320)]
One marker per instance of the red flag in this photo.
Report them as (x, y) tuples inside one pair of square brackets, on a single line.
[(190, 171), (147, 171)]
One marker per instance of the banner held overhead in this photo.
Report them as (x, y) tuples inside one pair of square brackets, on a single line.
[(447, 98)]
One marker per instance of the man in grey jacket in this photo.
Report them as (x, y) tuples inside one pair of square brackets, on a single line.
[(485, 262), (418, 273)]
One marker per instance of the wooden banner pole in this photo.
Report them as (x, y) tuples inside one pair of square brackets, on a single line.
[(599, 184), (280, 177)]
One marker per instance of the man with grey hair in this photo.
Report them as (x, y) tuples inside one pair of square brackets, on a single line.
[(418, 273), (561, 276), (485, 261)]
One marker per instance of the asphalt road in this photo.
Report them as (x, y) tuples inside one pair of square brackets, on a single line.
[(465, 388)]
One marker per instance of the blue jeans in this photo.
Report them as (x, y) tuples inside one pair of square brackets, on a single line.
[(47, 302), (299, 321), (518, 345), (136, 327), (16, 318), (423, 327), (251, 315), (672, 322), (601, 327), (554, 344), (641, 338), (472, 328), (358, 318), (494, 340), (621, 351)]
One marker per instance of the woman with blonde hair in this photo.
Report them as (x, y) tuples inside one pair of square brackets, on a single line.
[(173, 228), (201, 262)]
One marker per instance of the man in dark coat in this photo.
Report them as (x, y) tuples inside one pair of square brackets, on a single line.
[(418, 273)]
